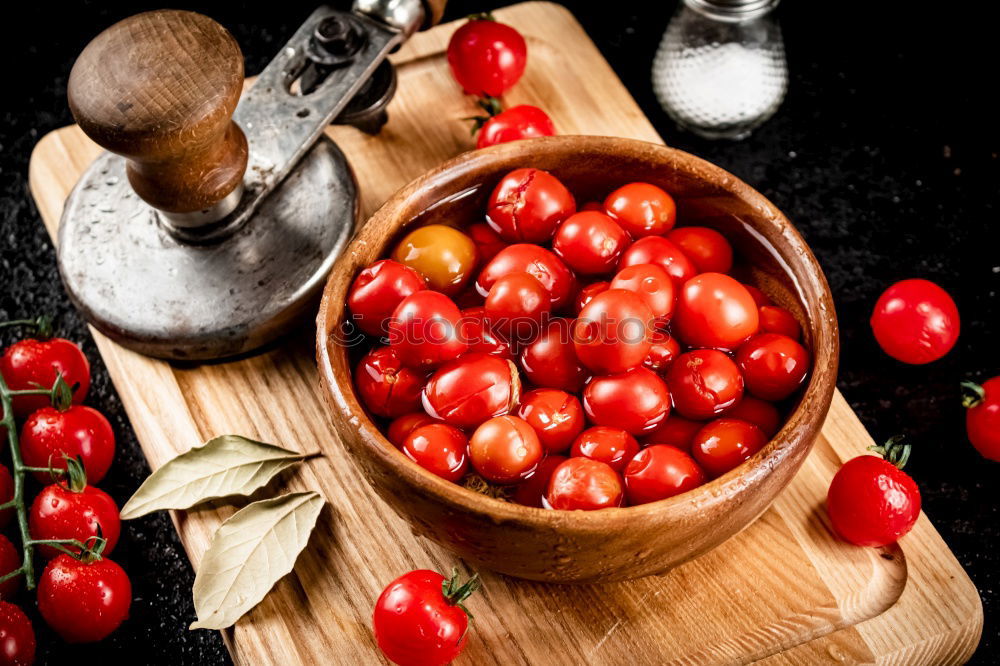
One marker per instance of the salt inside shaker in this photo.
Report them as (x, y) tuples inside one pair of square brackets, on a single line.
[(720, 70)]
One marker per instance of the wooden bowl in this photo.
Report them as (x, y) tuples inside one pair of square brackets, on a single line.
[(610, 544)]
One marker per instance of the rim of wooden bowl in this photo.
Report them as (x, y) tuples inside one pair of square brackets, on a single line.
[(434, 186)]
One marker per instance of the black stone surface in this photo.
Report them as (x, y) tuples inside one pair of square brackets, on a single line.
[(882, 154)]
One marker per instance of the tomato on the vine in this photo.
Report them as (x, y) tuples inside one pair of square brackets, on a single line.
[(915, 321), (660, 471), (84, 600), (17, 636), (74, 510), (584, 484), (612, 446), (612, 333), (642, 209), (773, 365), (532, 491), (471, 389), (420, 618), (10, 559), (377, 291), (439, 448), (550, 360), (527, 205), (872, 501), (425, 330), (78, 431), (590, 243), (658, 250), (556, 416), (714, 310), (505, 449), (487, 57), (707, 249), (637, 401), (724, 444), (704, 383), (518, 122), (32, 364), (982, 418), (545, 266), (442, 255)]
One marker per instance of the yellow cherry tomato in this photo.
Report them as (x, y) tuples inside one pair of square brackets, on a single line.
[(443, 255)]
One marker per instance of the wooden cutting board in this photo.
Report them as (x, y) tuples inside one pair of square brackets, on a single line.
[(784, 590)]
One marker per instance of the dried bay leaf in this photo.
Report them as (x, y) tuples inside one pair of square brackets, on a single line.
[(222, 467), (249, 553)]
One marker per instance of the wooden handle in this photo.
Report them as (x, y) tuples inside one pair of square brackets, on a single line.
[(433, 11), (160, 89)]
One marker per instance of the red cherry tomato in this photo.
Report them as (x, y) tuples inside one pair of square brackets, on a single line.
[(78, 431), (487, 57), (584, 484), (505, 449), (724, 444), (378, 290), (714, 310), (61, 513), (707, 249), (546, 267), (662, 352), (487, 241), (10, 559), (480, 337), (518, 122), (385, 386), (590, 243), (17, 637), (982, 418), (593, 205), (425, 330), (762, 414), (556, 416), (527, 205), (636, 401), (516, 306), (915, 321), (550, 360), (663, 253), (659, 472), (420, 618), (6, 495), (872, 502), (402, 426), (611, 446), (642, 209), (83, 601), (531, 492), (759, 297), (653, 284), (439, 448), (471, 389), (773, 365), (586, 294), (28, 364), (704, 383), (774, 319), (676, 431), (612, 333)]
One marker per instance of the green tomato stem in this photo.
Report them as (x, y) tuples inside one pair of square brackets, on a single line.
[(27, 567)]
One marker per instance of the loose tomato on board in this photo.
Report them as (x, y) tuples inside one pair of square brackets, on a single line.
[(425, 330), (378, 290), (658, 250), (31, 364), (471, 389), (915, 321), (658, 472), (707, 249), (444, 256), (612, 333), (714, 310), (527, 206), (17, 636), (872, 501), (487, 57), (518, 122), (439, 448), (516, 306), (642, 209), (653, 284), (676, 431), (402, 426), (662, 352), (590, 243), (982, 418), (587, 293), (505, 450), (704, 383), (612, 446), (637, 401), (550, 360), (49, 434), (724, 444), (545, 266), (84, 601), (10, 559), (774, 319), (584, 484), (556, 416), (387, 387), (762, 414), (532, 491), (420, 618), (773, 365)]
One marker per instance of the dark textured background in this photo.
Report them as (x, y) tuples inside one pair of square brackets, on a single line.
[(882, 155)]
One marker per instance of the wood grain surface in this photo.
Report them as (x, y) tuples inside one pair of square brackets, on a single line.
[(784, 590)]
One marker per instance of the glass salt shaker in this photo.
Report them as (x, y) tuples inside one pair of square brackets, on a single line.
[(720, 71)]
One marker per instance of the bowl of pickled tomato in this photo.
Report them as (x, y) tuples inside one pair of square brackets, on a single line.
[(578, 359)]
